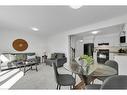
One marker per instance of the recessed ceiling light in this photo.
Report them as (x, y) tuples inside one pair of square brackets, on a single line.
[(35, 29), (75, 6), (81, 41), (95, 32)]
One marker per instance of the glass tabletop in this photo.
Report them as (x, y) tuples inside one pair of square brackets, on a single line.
[(93, 69)]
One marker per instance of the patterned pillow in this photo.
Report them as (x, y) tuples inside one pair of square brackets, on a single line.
[(21, 57)]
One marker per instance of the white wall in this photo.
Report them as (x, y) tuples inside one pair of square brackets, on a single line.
[(60, 42), (78, 48), (35, 44)]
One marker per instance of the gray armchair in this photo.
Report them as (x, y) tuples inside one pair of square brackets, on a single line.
[(58, 58)]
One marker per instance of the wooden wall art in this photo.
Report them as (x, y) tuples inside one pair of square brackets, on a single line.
[(20, 44)]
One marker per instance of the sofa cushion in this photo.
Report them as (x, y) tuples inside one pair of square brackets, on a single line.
[(31, 57), (53, 56), (12, 57)]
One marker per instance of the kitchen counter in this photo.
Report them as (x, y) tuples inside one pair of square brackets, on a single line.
[(117, 53)]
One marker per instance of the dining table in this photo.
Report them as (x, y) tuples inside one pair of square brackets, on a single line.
[(90, 72)]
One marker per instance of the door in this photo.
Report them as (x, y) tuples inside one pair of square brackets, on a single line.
[(88, 49)]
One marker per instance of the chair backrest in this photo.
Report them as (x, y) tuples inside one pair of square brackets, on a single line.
[(60, 55), (57, 55), (112, 64), (55, 72), (53, 56), (115, 82)]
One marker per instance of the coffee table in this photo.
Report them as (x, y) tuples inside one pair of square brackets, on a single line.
[(26, 64)]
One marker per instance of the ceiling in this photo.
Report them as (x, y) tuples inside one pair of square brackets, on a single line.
[(54, 19), (116, 29)]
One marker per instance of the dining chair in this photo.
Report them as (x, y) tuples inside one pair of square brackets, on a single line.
[(113, 82), (63, 79), (112, 64)]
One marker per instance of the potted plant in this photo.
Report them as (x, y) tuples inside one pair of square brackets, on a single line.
[(87, 61)]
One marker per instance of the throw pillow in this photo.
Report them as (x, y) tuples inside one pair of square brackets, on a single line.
[(12, 57), (31, 57)]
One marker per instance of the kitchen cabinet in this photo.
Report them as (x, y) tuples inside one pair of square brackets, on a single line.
[(122, 63), (113, 40)]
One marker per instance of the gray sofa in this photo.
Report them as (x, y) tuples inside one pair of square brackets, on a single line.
[(16, 59), (58, 58)]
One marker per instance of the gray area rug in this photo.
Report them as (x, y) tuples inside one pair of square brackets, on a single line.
[(43, 79)]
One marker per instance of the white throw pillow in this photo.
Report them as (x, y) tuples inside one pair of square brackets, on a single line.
[(12, 57), (31, 57)]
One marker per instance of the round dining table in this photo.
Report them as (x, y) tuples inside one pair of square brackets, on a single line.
[(90, 72)]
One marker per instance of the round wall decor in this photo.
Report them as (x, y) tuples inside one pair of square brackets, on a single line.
[(20, 44)]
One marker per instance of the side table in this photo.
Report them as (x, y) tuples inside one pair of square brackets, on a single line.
[(44, 58)]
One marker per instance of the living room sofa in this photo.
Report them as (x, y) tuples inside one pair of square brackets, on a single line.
[(15, 59)]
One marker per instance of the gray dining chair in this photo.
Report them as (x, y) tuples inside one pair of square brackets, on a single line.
[(112, 64), (63, 79), (113, 82)]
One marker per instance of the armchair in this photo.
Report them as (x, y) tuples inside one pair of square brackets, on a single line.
[(58, 58)]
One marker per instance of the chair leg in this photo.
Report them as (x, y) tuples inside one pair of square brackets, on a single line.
[(57, 87), (92, 82), (31, 67), (73, 86), (36, 68), (70, 87), (24, 70), (75, 76)]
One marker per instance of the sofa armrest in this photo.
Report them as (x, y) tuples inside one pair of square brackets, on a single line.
[(38, 59)]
